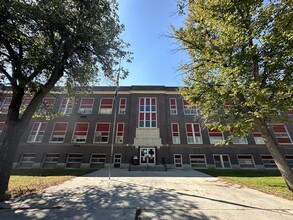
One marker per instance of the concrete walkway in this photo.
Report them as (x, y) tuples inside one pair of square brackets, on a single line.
[(175, 194)]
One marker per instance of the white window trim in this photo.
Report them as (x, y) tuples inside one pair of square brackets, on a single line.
[(122, 137), (193, 136), (280, 133), (222, 161), (86, 111), (65, 112), (106, 111), (74, 137), (181, 162), (145, 112), (95, 133), (205, 161), (251, 159), (50, 141), (37, 132), (122, 111), (175, 136), (176, 110)]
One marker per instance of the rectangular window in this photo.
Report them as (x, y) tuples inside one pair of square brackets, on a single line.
[(289, 159), (2, 125), (74, 160), (80, 133), (122, 106), (50, 160), (26, 101), (98, 161), (268, 162), (173, 106), (5, 105), (58, 133), (237, 140), (198, 161), (147, 113), (106, 106), (37, 132), (245, 161), (27, 160), (102, 133), (175, 134), (193, 134), (215, 136), (258, 139), (120, 133), (66, 106), (222, 161), (47, 105), (188, 110), (86, 106), (178, 160), (281, 134), (117, 160)]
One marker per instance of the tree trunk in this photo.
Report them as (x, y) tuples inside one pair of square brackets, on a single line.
[(275, 151)]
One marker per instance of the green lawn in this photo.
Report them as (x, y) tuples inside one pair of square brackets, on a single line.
[(268, 181), (32, 180)]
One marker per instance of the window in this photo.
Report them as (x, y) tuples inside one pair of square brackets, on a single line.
[(58, 133), (50, 160), (245, 161), (215, 136), (290, 111), (98, 160), (80, 133), (5, 105), (26, 102), (222, 161), (106, 106), (102, 133), (73, 160), (147, 113), (197, 161), (2, 125), (66, 106), (237, 140), (193, 134), (281, 134), (173, 106), (117, 160), (27, 160), (47, 105), (188, 110), (289, 159), (268, 162), (175, 134), (258, 139), (122, 106), (86, 106), (119, 133), (37, 132), (178, 160)]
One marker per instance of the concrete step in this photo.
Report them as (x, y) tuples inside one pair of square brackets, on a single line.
[(147, 168)]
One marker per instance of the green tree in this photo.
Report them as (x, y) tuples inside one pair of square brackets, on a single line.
[(45, 42), (240, 55)]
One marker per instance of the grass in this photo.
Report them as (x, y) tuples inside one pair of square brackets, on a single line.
[(268, 181), (27, 181)]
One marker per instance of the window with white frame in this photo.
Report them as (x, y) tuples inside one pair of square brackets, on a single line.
[(175, 133), (120, 133), (66, 106), (198, 161), (222, 161), (80, 132), (193, 134), (27, 160), (268, 161), (97, 160), (47, 105), (50, 160), (106, 106), (2, 125), (282, 134), (189, 110), (245, 161), (59, 132), (86, 106), (289, 160), (5, 105), (37, 132), (117, 160), (237, 140), (74, 160), (122, 106), (102, 133), (173, 106), (258, 139), (147, 113), (215, 136), (178, 160)]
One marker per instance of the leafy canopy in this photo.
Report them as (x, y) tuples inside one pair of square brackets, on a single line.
[(241, 61)]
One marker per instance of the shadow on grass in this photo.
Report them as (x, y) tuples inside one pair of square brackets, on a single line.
[(241, 173)]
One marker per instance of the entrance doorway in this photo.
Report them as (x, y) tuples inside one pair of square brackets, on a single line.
[(148, 155)]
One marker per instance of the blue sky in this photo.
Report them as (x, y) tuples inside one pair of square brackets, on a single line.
[(155, 62)]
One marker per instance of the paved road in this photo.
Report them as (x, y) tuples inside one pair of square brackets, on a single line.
[(176, 194)]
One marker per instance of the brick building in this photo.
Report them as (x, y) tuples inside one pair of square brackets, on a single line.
[(154, 124)]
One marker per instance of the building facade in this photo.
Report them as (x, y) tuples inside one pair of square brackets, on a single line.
[(154, 125)]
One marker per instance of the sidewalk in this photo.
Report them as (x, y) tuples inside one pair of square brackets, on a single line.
[(175, 194)]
